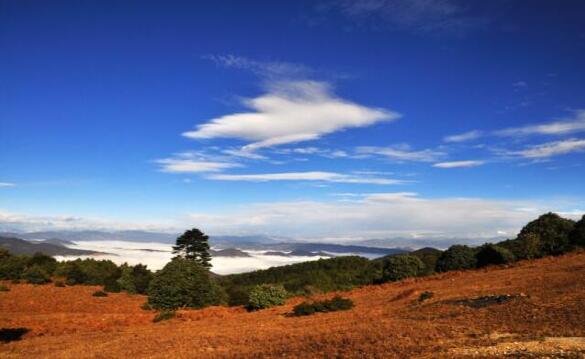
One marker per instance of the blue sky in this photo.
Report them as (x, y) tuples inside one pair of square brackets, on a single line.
[(331, 120)]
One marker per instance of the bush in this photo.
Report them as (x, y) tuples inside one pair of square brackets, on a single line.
[(183, 283), (11, 267), (165, 314), (100, 293), (266, 296), (134, 280), (323, 306), (491, 254), (401, 267), (59, 284), (526, 246), (47, 263), (72, 273), (577, 235), (4, 288), (112, 286), (146, 306), (238, 295), (36, 275), (553, 232), (457, 257)]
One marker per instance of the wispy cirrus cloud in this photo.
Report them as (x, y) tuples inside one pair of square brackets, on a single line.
[(551, 149), (419, 16), (402, 152), (459, 164), (321, 176), (290, 112), (565, 126), (7, 184), (175, 165), (266, 69), (462, 137)]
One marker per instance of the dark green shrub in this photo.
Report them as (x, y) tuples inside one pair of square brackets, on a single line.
[(47, 263), (11, 267), (401, 267), (526, 246), (553, 232), (183, 283), (238, 295), (164, 314), (457, 257), (112, 286), (577, 235), (134, 279), (4, 288), (36, 275), (100, 293), (59, 284), (429, 256), (146, 306), (72, 273), (4, 253), (266, 296), (426, 295), (323, 306), (491, 254)]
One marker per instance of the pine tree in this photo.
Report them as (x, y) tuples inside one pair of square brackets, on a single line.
[(193, 245)]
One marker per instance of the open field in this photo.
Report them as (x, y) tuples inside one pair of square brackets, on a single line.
[(545, 316)]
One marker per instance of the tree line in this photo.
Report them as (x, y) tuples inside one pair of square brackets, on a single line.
[(186, 281)]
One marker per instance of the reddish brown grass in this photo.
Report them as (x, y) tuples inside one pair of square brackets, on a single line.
[(387, 320)]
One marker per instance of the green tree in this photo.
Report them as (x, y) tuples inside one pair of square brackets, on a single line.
[(577, 236), (35, 274), (183, 283), (194, 245), (491, 254), (553, 231), (526, 246), (402, 266), (47, 263), (457, 257)]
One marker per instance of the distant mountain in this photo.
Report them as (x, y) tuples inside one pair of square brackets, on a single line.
[(324, 249), (228, 252), (20, 246)]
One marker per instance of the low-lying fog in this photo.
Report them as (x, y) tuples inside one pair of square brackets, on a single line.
[(156, 255)]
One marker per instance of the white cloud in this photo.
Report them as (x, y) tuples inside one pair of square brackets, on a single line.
[(291, 111), (550, 149), (457, 164), (402, 153), (173, 165), (11, 221), (560, 127), (306, 176), (6, 184), (380, 215), (156, 255), (466, 136)]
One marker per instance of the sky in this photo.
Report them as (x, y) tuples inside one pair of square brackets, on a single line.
[(329, 121)]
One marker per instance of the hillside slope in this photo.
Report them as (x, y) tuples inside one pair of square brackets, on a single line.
[(544, 315)]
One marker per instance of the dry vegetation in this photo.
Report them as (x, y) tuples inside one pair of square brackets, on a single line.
[(546, 316)]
